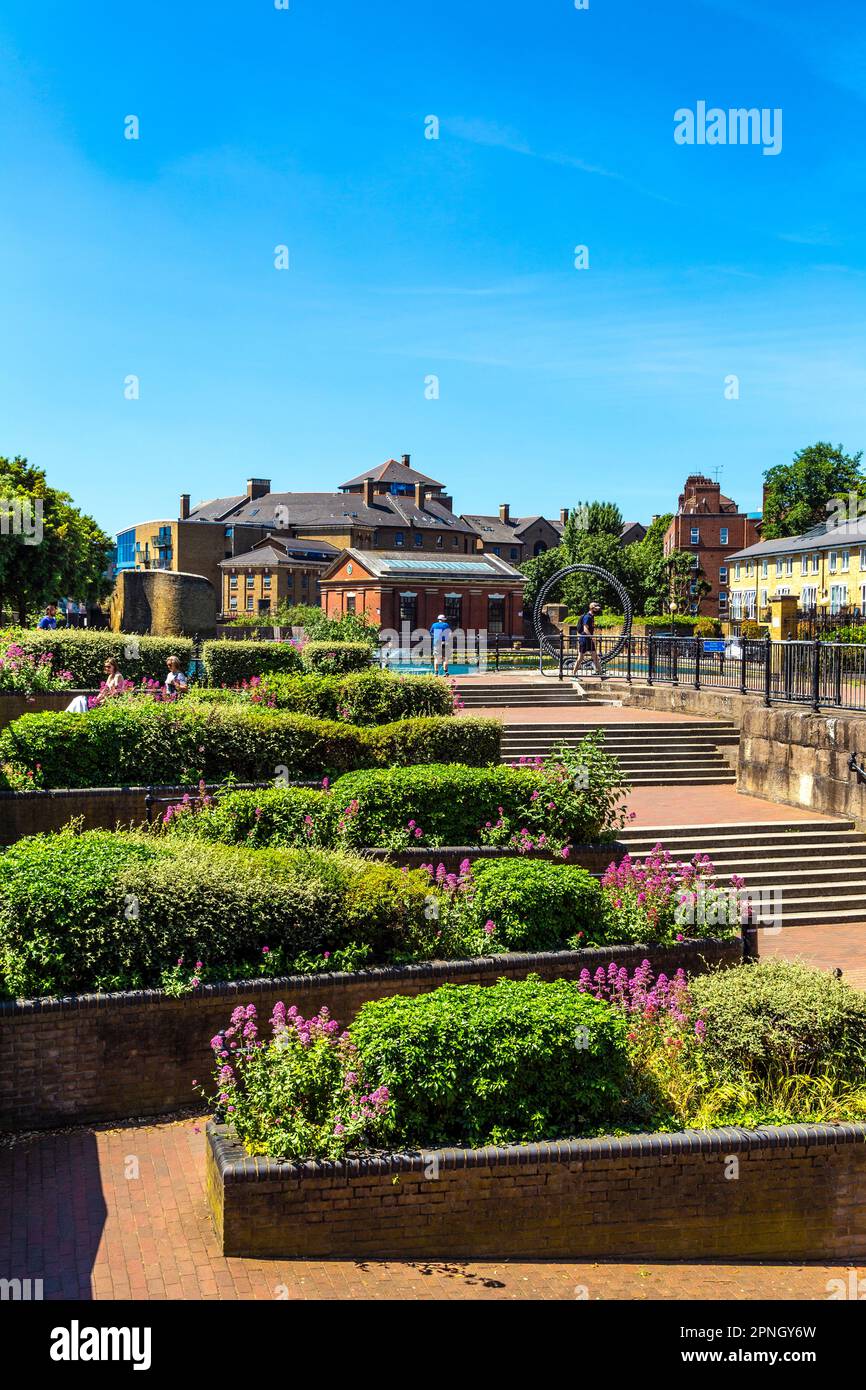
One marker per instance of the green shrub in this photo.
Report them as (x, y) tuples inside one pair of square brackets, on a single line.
[(662, 623), (111, 911), (361, 697), (535, 905), (138, 741), (336, 658), (781, 1016), (84, 653), (447, 804), (708, 627), (473, 1064), (227, 662)]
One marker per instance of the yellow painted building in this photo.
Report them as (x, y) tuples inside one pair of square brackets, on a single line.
[(825, 570)]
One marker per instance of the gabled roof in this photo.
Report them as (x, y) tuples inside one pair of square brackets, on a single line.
[(336, 510), (824, 536), (493, 528), (393, 471), (394, 565), (217, 509), (274, 551)]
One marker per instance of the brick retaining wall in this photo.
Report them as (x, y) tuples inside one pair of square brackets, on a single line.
[(112, 1056), (799, 1194), (13, 706)]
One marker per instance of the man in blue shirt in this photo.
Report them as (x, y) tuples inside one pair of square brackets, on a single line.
[(49, 617), (586, 637), (440, 632)]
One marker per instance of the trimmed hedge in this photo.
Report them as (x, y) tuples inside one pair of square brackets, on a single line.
[(139, 741), (537, 906), (84, 653), (490, 1064), (361, 697), (336, 658), (226, 663), (450, 804), (115, 911)]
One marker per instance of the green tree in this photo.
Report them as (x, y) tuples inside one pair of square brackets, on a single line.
[(538, 570), (647, 577), (797, 493), (62, 551)]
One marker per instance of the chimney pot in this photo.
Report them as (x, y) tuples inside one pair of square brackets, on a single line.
[(504, 511), (184, 506)]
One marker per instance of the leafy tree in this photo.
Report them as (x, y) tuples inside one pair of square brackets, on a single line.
[(538, 570), (62, 551), (681, 575), (647, 577), (590, 519), (797, 493), (604, 550)]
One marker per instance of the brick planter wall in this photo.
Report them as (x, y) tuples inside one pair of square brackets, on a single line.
[(100, 808), (593, 857), (799, 1194), (112, 1056)]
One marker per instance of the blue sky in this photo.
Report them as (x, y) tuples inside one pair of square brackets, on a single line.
[(412, 258)]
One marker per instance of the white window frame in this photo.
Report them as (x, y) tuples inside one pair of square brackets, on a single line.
[(723, 535)]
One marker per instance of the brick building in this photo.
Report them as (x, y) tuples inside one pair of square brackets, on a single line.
[(711, 528), (482, 592), (516, 538), (275, 571)]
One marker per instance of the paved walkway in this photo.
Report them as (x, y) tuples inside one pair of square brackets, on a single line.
[(714, 804), (121, 1214)]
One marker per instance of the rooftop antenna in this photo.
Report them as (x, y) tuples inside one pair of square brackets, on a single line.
[(716, 471)]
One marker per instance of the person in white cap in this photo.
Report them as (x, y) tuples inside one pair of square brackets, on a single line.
[(440, 632)]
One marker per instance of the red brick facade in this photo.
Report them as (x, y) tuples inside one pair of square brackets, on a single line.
[(711, 527)]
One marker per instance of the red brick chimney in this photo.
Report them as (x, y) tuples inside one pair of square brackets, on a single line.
[(504, 512), (405, 460), (367, 489), (257, 487), (563, 515), (419, 493), (184, 506)]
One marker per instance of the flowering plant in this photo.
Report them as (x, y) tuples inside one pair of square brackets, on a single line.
[(299, 1095), (21, 673), (666, 900)]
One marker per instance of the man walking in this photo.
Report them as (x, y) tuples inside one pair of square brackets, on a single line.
[(586, 638), (440, 633)]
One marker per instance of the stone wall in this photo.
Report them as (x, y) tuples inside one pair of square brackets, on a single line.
[(164, 603), (98, 1057), (800, 758), (784, 1193)]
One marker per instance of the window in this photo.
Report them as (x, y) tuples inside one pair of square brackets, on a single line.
[(695, 535), (512, 554), (418, 538), (693, 588), (815, 565), (765, 567), (779, 564), (789, 565), (723, 599), (250, 601), (455, 542), (439, 542), (233, 581), (863, 557), (350, 603), (838, 597), (229, 532), (737, 570), (723, 536), (809, 597), (266, 582), (834, 559), (454, 610), (251, 579), (723, 574), (846, 559), (695, 562), (233, 601), (763, 598), (496, 614), (409, 609), (398, 537), (496, 550)]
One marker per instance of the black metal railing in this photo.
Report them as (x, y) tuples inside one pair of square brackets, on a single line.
[(814, 673)]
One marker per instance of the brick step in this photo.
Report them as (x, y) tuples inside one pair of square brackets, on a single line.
[(827, 842), (695, 742), (695, 779), (674, 753)]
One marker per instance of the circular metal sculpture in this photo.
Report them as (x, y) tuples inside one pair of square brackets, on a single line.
[(546, 647)]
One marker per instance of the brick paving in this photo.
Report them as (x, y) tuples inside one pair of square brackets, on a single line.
[(121, 1214), (709, 805)]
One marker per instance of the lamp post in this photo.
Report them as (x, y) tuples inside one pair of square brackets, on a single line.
[(673, 608)]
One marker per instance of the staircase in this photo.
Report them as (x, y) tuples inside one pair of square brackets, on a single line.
[(817, 867), (502, 691), (651, 754)]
